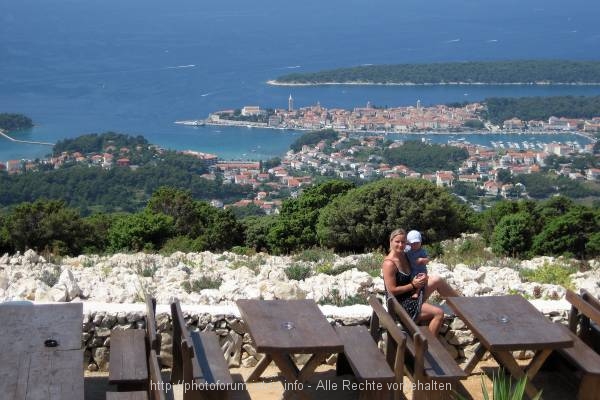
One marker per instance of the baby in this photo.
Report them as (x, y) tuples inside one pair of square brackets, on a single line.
[(417, 257)]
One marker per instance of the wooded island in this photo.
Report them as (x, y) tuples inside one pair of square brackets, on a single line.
[(479, 72)]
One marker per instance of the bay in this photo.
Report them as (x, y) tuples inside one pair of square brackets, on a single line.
[(137, 66)]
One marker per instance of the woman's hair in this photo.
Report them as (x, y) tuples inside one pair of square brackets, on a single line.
[(397, 232)]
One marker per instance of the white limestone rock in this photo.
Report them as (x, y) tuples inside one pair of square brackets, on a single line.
[(281, 290), (242, 274), (25, 289), (537, 262), (42, 292), (30, 257), (588, 280), (3, 280), (58, 293), (206, 296), (68, 280), (462, 273), (4, 259), (272, 272)]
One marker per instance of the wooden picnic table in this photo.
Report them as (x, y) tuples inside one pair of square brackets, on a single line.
[(282, 328), (29, 370), (508, 323)]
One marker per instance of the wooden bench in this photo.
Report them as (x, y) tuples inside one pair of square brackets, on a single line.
[(128, 363), (152, 338), (198, 361), (156, 386), (583, 313), (368, 364), (130, 353), (430, 367), (379, 376)]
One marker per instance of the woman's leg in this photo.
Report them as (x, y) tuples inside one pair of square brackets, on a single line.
[(434, 315), (434, 282)]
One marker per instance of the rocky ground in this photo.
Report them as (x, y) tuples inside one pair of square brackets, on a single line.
[(208, 278)]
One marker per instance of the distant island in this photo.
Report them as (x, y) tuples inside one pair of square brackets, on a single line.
[(11, 122), (521, 72)]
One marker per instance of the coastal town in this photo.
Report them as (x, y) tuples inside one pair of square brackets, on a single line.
[(417, 118), (345, 158)]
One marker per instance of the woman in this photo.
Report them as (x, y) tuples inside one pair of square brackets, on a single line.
[(401, 284)]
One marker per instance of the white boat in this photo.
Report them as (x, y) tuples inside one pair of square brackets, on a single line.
[(194, 122)]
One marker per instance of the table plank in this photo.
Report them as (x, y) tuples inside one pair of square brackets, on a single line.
[(55, 375), (14, 371), (27, 327), (126, 365), (310, 333), (28, 369), (526, 328), (61, 321)]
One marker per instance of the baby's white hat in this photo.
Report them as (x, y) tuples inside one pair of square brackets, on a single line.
[(413, 237)]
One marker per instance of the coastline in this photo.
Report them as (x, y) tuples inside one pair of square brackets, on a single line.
[(416, 133), (275, 82), (3, 134)]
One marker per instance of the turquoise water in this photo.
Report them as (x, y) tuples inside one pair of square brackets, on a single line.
[(137, 66)]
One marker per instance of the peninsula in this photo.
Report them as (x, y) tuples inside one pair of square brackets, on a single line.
[(520, 72)]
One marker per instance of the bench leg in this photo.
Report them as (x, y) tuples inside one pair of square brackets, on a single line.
[(480, 351), (589, 388), (260, 368)]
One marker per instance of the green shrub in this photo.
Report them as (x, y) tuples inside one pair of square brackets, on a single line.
[(336, 299), (50, 276), (297, 272), (503, 389), (196, 285), (371, 264), (179, 243), (315, 255), (146, 269), (252, 263), (325, 268), (243, 250), (551, 274), (470, 251)]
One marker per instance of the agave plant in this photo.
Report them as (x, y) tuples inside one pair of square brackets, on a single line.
[(502, 389)]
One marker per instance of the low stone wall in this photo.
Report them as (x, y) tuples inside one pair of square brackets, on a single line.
[(100, 319)]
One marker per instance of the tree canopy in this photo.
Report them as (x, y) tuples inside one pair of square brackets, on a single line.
[(556, 226), (296, 226), (363, 218), (500, 109), (11, 122), (95, 143), (424, 157)]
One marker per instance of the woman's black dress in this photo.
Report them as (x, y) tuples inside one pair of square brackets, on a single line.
[(412, 306)]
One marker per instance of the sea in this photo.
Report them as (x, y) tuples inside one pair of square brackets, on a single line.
[(137, 66)]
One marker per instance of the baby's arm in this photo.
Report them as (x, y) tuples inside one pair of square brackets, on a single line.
[(423, 259)]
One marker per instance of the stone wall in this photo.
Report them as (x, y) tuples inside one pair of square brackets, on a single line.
[(226, 323)]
